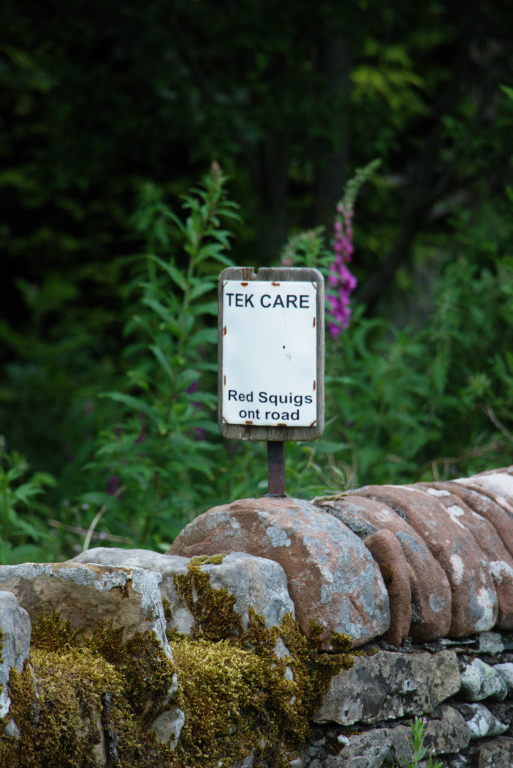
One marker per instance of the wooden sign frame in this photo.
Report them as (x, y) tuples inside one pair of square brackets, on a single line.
[(276, 275)]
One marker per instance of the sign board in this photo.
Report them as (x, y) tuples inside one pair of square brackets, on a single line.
[(271, 353)]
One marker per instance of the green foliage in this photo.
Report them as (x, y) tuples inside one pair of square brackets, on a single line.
[(418, 735), (22, 514), (397, 398)]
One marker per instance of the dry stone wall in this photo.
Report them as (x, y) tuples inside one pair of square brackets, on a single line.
[(416, 580)]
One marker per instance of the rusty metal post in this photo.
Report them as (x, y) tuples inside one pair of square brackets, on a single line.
[(276, 468)]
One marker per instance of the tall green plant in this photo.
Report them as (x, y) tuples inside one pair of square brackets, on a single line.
[(157, 458)]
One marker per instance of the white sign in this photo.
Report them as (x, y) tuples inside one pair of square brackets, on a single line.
[(269, 338)]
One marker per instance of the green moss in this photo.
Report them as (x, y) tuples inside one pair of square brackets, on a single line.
[(213, 609), (64, 717), (148, 673), (206, 560)]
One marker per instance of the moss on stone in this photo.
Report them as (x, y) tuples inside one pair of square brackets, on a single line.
[(59, 704), (89, 698), (213, 609), (206, 560), (148, 673)]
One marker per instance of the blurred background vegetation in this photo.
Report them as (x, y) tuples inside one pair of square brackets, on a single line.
[(110, 114)]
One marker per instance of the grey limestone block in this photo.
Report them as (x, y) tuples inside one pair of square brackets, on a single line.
[(168, 726), (481, 722), (506, 671), (87, 595), (446, 731), (255, 582), (390, 685), (481, 681), (15, 632), (496, 753)]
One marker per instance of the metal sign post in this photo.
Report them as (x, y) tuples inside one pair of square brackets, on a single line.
[(271, 358)]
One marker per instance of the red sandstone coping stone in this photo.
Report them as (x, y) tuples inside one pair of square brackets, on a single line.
[(397, 575), (430, 589), (483, 505), (498, 559), (474, 599), (498, 484), (332, 577)]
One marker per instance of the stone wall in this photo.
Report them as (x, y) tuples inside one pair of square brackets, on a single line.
[(276, 632)]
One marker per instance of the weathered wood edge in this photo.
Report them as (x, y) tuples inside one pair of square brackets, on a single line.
[(283, 274)]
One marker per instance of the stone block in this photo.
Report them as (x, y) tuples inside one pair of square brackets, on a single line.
[(87, 595), (481, 722), (474, 606), (15, 631), (397, 575), (481, 681), (496, 753), (506, 670), (390, 685)]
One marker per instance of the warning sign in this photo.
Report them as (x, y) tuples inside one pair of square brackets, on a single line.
[(271, 361)]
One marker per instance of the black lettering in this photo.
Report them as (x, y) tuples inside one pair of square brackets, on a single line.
[(308, 399), (248, 300), (294, 416), (229, 295), (262, 397), (232, 394), (265, 296), (239, 300), (249, 414), (291, 301), (303, 301), (278, 302)]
